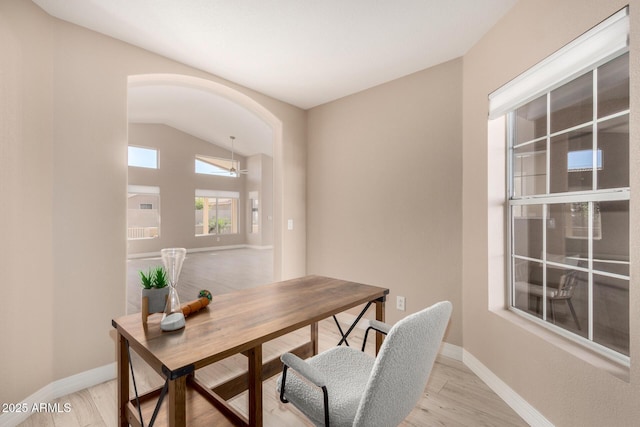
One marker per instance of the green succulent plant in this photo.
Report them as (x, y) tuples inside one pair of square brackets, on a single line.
[(146, 279), (160, 278), (154, 278)]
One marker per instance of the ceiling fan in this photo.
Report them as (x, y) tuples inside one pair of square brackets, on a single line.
[(233, 170)]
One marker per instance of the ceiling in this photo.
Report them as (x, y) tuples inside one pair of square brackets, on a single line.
[(200, 113), (305, 53)]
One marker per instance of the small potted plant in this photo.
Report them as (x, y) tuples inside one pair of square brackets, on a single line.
[(155, 290)]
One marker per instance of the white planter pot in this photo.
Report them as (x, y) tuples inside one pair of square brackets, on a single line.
[(157, 298)]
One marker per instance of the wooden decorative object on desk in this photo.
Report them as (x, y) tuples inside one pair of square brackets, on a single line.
[(199, 304)]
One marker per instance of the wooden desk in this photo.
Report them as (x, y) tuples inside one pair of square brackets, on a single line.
[(239, 322)]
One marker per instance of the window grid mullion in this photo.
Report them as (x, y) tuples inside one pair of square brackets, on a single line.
[(548, 157), (590, 274), (594, 168), (594, 137), (545, 208)]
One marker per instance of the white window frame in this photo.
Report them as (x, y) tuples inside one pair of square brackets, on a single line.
[(598, 46), (220, 194)]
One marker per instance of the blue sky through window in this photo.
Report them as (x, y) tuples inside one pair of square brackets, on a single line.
[(582, 160), (215, 166), (143, 157), (209, 169)]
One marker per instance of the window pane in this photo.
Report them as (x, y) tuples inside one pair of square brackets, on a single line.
[(529, 169), (611, 312), (216, 215), (613, 86), (205, 215), (531, 120), (255, 214), (226, 212), (613, 141), (611, 241), (143, 157), (143, 216), (215, 166), (564, 176), (567, 234), (528, 283), (572, 104), (527, 231)]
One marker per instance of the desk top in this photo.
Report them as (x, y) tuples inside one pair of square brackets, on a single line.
[(238, 321)]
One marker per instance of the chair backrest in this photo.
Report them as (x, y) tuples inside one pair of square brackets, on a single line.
[(567, 285), (402, 367)]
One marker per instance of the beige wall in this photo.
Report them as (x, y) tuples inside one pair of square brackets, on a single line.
[(568, 386), (260, 180), (385, 190), (64, 147), (26, 172)]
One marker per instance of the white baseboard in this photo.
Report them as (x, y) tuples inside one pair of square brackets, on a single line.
[(260, 248), (216, 248), (451, 351), (194, 250), (528, 413), (57, 389)]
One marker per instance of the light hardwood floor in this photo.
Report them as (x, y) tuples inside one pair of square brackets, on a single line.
[(217, 271), (454, 396)]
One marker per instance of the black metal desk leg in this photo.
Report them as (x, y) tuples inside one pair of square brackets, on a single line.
[(344, 336)]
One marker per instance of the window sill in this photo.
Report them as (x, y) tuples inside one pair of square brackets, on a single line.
[(598, 361)]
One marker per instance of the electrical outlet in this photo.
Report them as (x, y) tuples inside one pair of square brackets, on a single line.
[(400, 303)]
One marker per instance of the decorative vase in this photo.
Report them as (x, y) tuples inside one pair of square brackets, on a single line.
[(157, 298), (173, 318)]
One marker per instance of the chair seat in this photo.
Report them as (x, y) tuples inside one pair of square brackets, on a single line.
[(347, 372), (537, 290)]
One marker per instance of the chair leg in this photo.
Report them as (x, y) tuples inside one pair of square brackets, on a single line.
[(573, 313), (553, 313)]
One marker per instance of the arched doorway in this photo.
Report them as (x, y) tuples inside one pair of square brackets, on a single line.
[(172, 108)]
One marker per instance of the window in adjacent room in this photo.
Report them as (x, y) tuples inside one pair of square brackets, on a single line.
[(216, 212), (568, 189), (143, 157), (254, 205), (143, 212), (216, 166)]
